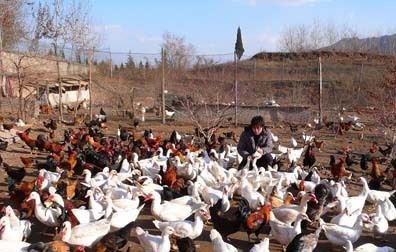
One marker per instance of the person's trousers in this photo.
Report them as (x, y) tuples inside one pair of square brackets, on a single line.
[(264, 161)]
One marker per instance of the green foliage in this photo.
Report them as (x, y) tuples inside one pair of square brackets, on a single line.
[(130, 64), (239, 50)]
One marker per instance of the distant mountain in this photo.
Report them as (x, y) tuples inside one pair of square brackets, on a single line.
[(378, 45)]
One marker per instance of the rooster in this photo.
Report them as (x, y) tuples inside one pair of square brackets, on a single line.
[(24, 136), (338, 170), (253, 222), (309, 157), (377, 175)]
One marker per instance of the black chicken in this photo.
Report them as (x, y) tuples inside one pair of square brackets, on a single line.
[(349, 160), (135, 123), (224, 225), (304, 242), (124, 134), (113, 242), (3, 145), (309, 157), (364, 162), (386, 152), (186, 245), (51, 125), (16, 173), (332, 160)]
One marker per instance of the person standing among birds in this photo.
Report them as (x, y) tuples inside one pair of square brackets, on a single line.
[(256, 138)]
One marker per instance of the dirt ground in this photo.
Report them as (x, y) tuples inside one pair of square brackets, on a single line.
[(332, 145)]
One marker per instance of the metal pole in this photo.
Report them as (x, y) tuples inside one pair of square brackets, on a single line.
[(111, 65), (236, 89), (163, 85), (320, 92), (90, 82), (1, 54)]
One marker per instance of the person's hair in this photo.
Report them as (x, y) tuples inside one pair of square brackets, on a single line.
[(257, 121)]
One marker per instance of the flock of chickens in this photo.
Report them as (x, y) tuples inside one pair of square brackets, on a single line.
[(92, 187)]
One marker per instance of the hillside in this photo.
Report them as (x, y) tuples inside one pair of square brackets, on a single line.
[(380, 45)]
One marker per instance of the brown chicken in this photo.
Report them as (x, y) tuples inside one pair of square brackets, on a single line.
[(169, 177), (319, 144), (55, 246), (27, 161), (338, 170), (27, 140), (376, 171), (374, 147), (253, 221)]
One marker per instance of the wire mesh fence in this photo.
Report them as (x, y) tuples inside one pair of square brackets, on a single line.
[(278, 85)]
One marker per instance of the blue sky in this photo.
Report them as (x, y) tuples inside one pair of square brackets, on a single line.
[(210, 25)]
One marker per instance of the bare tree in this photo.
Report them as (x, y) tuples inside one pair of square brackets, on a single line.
[(63, 25), (12, 22), (178, 51), (317, 35)]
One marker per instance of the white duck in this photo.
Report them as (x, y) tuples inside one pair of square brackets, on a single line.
[(379, 224), (168, 211), (93, 203), (388, 209), (354, 203), (288, 213), (340, 235), (254, 198), (85, 216), (186, 228), (345, 218), (55, 197), (131, 202), (85, 234), (154, 243), (293, 142), (13, 246), (121, 217), (263, 246), (284, 233), (7, 232), (218, 244), (368, 247), (47, 216), (24, 225)]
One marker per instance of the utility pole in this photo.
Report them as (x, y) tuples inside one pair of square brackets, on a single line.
[(163, 85), (320, 92)]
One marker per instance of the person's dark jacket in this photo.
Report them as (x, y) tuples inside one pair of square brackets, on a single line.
[(247, 145)]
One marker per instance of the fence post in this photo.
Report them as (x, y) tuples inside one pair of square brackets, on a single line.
[(90, 82), (320, 92), (163, 85), (111, 65)]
